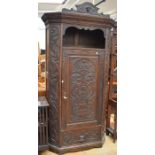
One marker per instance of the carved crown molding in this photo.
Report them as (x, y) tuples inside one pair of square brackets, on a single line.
[(85, 8)]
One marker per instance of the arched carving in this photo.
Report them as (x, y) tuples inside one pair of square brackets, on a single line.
[(66, 26), (86, 37)]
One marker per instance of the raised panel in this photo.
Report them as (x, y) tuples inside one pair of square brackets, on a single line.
[(81, 87)]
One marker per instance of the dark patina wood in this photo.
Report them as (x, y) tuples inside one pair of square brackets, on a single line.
[(78, 44)]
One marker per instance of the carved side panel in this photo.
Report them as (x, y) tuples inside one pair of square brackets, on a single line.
[(53, 84), (106, 75), (83, 85)]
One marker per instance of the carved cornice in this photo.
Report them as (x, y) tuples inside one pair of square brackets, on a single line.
[(85, 14), (77, 19)]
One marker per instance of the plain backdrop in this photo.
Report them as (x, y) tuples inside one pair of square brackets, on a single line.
[(19, 77)]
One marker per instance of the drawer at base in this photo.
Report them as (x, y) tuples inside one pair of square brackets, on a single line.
[(81, 136)]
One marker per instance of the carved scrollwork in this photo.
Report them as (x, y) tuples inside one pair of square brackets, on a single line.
[(85, 8), (91, 28), (53, 83), (83, 85)]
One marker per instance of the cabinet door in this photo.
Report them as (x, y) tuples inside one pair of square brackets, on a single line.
[(82, 87)]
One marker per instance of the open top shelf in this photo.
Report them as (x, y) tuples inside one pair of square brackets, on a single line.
[(81, 38)]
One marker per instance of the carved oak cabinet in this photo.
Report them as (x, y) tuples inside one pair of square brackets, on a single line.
[(78, 46)]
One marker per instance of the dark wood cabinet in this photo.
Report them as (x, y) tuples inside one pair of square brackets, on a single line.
[(78, 44)]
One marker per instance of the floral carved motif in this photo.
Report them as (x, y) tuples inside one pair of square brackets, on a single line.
[(83, 85), (53, 83), (85, 8)]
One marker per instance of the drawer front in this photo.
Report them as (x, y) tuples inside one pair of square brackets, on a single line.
[(81, 136)]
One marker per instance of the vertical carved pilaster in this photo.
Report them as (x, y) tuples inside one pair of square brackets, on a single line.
[(106, 73), (54, 73)]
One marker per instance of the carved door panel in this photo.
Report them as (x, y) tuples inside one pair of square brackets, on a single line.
[(82, 87)]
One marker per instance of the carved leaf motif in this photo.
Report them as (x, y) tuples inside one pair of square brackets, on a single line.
[(87, 8), (53, 83), (83, 83)]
